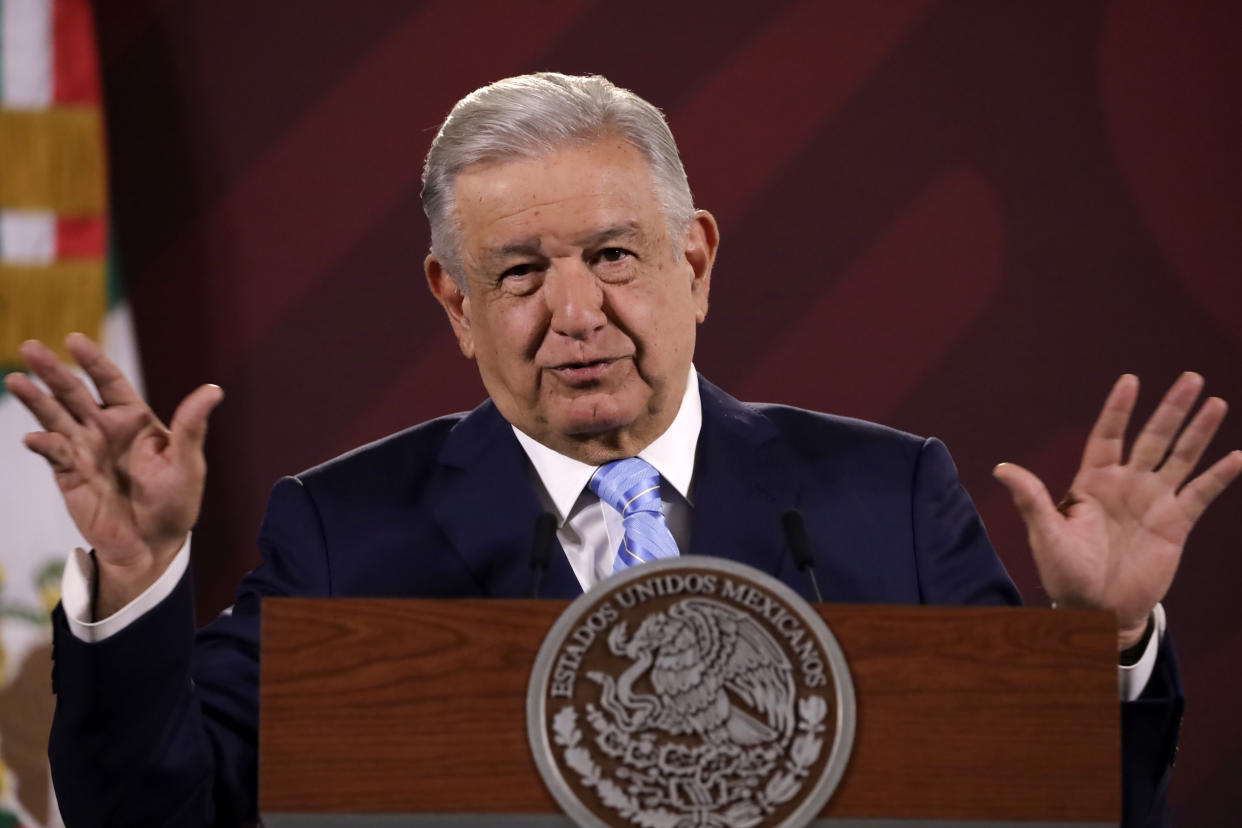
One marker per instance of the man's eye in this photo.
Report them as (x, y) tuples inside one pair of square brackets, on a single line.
[(612, 254), (519, 270)]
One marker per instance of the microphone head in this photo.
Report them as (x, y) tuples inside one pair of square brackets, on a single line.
[(541, 546), (794, 526)]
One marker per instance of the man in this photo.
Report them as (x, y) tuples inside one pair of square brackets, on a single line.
[(574, 271)]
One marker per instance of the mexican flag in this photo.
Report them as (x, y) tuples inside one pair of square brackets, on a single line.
[(56, 276)]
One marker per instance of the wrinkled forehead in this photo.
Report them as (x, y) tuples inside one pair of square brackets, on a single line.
[(574, 191)]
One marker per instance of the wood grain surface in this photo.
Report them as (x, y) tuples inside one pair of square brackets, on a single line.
[(415, 705)]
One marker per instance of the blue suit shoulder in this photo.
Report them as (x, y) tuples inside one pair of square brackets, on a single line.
[(386, 466), (876, 461), (814, 434), (832, 434), (378, 520)]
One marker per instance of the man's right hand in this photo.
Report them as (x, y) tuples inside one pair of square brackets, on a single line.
[(133, 487)]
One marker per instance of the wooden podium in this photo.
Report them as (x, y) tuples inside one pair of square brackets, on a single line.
[(413, 712)]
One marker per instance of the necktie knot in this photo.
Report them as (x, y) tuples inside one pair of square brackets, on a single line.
[(630, 485), (632, 488)]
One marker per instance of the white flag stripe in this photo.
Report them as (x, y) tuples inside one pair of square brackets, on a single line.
[(26, 54), (27, 236)]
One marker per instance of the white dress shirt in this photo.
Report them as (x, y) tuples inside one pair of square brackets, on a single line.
[(588, 529)]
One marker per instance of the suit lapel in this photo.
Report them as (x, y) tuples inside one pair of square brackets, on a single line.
[(739, 489), (487, 509)]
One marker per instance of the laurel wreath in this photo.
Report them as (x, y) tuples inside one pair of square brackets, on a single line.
[(805, 749), (781, 786), (568, 736)]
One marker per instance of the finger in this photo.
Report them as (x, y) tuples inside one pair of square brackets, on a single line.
[(1157, 435), (50, 413), (1193, 441), (1029, 494), (1199, 493), (63, 383), (113, 387), (189, 422), (1104, 444), (54, 448)]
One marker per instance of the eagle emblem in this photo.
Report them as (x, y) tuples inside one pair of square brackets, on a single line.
[(690, 700), (712, 670)]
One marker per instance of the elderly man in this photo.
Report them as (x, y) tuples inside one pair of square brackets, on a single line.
[(574, 271)]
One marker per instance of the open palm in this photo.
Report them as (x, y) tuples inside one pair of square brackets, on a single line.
[(1116, 539), (132, 486)]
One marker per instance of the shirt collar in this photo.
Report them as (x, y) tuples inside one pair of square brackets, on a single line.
[(672, 455)]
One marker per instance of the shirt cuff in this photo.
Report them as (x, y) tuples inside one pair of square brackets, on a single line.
[(1133, 679), (76, 587)]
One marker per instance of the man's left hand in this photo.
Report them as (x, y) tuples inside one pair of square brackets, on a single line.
[(1115, 540)]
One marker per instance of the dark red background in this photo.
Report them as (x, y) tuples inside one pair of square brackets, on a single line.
[(961, 219)]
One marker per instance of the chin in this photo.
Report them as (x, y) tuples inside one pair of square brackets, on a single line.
[(590, 426), (587, 417)]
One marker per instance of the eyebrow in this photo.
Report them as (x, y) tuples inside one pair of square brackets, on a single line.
[(621, 231), (526, 247), (533, 247)]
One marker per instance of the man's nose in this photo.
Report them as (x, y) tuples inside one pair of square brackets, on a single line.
[(574, 298)]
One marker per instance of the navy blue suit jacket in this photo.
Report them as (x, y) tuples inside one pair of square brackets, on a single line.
[(157, 725)]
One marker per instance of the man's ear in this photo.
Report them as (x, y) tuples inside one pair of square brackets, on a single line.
[(455, 303), (702, 240)]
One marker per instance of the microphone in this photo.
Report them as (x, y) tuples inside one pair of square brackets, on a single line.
[(541, 548), (800, 545)]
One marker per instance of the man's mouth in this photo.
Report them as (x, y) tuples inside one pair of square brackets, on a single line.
[(579, 373)]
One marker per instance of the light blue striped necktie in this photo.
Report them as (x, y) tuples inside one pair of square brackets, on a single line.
[(632, 487)]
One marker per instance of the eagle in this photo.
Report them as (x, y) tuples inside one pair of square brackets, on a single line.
[(713, 672)]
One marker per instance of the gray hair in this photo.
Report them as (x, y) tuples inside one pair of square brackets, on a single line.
[(532, 115)]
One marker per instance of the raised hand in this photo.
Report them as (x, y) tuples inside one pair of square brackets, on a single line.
[(133, 487), (1116, 539)]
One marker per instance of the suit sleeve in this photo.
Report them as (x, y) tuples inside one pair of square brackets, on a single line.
[(158, 725), (1150, 729)]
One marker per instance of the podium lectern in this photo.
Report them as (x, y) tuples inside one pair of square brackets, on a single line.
[(393, 712)]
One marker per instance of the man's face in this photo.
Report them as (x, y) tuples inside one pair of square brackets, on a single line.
[(581, 309)]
